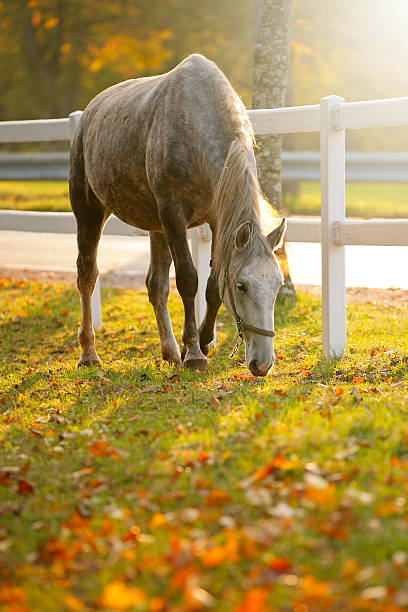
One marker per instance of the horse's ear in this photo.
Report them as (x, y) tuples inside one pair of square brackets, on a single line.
[(275, 238), (242, 235)]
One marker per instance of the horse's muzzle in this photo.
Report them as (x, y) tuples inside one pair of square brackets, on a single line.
[(259, 368)]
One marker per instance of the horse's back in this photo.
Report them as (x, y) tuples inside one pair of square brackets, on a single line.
[(145, 138)]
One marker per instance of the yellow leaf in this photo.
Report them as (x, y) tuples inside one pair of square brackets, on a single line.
[(321, 497), (313, 588), (157, 520), (350, 568), (36, 19), (118, 596), (51, 23), (73, 603)]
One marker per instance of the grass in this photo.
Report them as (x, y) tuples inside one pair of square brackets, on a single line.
[(364, 200), (35, 195), (147, 487), (387, 200)]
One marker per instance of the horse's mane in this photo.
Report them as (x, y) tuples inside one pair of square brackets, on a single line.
[(238, 199)]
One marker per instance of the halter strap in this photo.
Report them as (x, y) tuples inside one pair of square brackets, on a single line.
[(241, 325)]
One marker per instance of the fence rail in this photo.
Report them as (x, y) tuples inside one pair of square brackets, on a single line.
[(296, 166), (332, 117)]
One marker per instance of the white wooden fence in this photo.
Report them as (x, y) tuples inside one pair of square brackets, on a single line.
[(361, 167), (331, 118)]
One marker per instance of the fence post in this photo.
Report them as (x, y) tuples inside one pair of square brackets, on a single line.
[(96, 306), (332, 179), (201, 254)]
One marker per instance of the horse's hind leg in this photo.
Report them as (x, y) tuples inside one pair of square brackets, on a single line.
[(91, 217), (157, 283), (186, 279)]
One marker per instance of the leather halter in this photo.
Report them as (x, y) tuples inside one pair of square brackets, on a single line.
[(241, 325)]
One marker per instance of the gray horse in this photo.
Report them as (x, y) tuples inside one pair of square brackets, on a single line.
[(164, 154)]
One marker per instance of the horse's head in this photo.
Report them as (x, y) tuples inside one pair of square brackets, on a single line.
[(249, 288)]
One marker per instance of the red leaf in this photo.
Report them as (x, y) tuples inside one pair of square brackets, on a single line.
[(242, 376), (280, 565), (174, 378), (25, 487)]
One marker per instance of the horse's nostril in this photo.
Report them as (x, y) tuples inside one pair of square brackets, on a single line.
[(257, 368), (253, 366)]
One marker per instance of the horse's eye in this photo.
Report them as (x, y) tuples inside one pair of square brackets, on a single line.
[(241, 287)]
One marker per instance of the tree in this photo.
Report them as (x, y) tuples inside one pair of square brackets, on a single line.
[(56, 55), (270, 75)]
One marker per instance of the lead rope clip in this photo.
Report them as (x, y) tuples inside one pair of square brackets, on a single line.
[(237, 344)]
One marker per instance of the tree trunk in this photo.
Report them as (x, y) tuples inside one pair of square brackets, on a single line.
[(270, 75)]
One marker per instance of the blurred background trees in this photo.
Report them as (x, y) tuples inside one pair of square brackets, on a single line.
[(57, 54)]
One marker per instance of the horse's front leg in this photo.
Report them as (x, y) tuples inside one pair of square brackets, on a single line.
[(212, 296), (157, 283), (187, 283)]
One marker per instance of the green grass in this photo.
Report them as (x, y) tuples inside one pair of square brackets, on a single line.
[(389, 200), (144, 487), (386, 200), (35, 195)]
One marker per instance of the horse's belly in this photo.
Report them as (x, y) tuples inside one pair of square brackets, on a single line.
[(129, 198)]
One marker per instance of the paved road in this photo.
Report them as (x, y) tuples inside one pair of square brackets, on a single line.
[(380, 267)]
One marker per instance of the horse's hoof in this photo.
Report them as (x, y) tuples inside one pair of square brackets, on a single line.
[(205, 349), (172, 360), (196, 364), (88, 362)]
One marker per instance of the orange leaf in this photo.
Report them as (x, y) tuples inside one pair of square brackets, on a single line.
[(357, 379), (254, 601), (217, 496), (10, 594), (73, 603), (158, 520), (203, 456), (280, 565), (314, 589), (157, 604), (264, 471), (102, 449), (174, 378), (242, 376), (214, 556), (321, 497), (339, 391), (387, 508), (116, 595)]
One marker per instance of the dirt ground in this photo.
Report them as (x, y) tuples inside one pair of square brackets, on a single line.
[(123, 280)]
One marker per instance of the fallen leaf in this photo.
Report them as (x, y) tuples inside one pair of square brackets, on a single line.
[(214, 556), (280, 565), (242, 376), (102, 449), (255, 601), (217, 496), (24, 487), (174, 378), (116, 595)]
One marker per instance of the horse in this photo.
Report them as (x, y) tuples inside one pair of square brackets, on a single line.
[(167, 153)]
